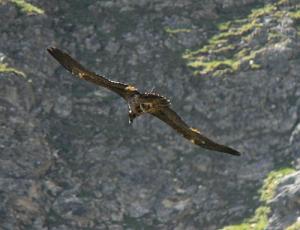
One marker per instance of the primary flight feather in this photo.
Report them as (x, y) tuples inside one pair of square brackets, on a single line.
[(140, 103)]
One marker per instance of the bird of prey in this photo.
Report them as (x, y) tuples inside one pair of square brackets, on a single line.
[(141, 103)]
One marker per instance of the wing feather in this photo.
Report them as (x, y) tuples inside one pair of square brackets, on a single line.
[(170, 117), (156, 99), (124, 90)]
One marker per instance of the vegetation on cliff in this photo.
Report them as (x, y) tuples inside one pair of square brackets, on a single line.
[(238, 42), (259, 220), (26, 7), (295, 226), (4, 68)]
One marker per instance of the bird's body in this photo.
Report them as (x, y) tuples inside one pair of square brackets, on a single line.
[(140, 103), (134, 104)]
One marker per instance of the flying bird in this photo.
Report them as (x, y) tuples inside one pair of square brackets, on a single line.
[(141, 103)]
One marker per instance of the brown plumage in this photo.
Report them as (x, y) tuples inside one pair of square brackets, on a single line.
[(140, 103)]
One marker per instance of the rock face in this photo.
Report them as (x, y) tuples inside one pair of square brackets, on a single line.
[(69, 159), (285, 206)]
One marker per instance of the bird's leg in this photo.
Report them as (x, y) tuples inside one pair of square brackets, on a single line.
[(130, 119), (131, 116)]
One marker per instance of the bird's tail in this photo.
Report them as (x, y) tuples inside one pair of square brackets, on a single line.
[(224, 149), (211, 145)]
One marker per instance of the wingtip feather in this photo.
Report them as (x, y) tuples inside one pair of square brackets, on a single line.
[(234, 152), (53, 51), (225, 149)]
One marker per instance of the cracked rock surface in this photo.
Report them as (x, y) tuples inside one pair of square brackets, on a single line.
[(69, 159), (285, 205)]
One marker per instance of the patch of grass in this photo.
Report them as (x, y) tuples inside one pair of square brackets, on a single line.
[(250, 59), (274, 36), (283, 2), (237, 31), (271, 182), (287, 3), (224, 50), (228, 55), (294, 226), (27, 8), (215, 65), (178, 30), (224, 26), (255, 66), (231, 46), (259, 220), (4, 68), (232, 64), (295, 15), (260, 12)]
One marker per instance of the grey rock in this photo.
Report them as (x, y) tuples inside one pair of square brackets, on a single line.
[(69, 159), (63, 106), (285, 205)]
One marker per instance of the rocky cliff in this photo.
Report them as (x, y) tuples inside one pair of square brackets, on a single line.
[(69, 159)]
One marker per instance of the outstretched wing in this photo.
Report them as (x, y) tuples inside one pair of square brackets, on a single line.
[(78, 70), (166, 114)]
